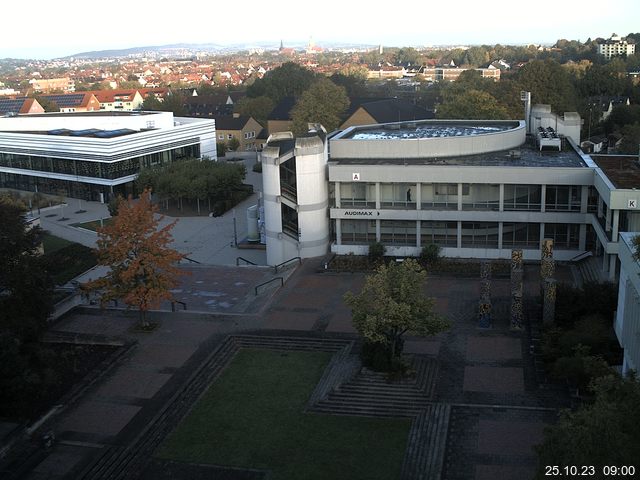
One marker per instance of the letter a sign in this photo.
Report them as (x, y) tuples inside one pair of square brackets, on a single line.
[(355, 177)]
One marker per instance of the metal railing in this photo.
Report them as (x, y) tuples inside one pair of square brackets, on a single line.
[(268, 282), (581, 256), (173, 305), (275, 269), (248, 262), (192, 260)]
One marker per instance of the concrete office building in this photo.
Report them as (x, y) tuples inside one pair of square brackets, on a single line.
[(627, 321), (93, 155), (476, 188)]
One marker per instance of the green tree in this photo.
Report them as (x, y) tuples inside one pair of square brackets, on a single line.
[(392, 303), (287, 80), (549, 83), (324, 102), (258, 107), (143, 268), (25, 286), (599, 434), (630, 139), (472, 105), (234, 144)]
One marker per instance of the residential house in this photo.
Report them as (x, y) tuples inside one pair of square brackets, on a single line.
[(74, 102), (365, 111), (20, 105), (119, 100), (615, 46), (53, 84), (241, 127), (279, 120)]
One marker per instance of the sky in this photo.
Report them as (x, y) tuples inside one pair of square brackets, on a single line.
[(56, 29)]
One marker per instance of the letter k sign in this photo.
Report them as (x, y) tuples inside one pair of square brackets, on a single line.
[(632, 204)]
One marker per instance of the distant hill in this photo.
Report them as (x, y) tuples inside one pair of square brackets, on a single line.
[(157, 49)]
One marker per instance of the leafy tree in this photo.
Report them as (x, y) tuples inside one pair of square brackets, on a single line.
[(549, 83), (324, 102), (599, 434), (392, 303), (288, 80), (152, 103), (142, 265), (630, 139), (472, 105), (25, 286), (354, 84), (258, 107), (234, 144), (48, 104)]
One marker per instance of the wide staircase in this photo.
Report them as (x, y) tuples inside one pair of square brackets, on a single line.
[(590, 270)]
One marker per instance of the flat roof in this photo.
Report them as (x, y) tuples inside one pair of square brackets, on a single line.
[(97, 113), (420, 130), (526, 155), (622, 170)]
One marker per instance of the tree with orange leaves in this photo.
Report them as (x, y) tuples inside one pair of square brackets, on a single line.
[(143, 268)]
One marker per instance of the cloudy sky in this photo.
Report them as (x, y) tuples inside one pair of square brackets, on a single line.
[(52, 29)]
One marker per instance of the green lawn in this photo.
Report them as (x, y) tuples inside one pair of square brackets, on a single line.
[(252, 417), (51, 243), (93, 225), (66, 260)]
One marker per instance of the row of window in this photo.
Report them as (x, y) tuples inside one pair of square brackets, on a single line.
[(85, 168), (247, 135), (445, 234), (473, 196)]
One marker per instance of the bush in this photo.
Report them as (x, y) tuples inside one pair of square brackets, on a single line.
[(430, 254), (376, 252), (221, 148), (114, 203), (234, 144)]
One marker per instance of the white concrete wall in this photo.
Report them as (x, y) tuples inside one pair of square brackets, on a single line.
[(627, 321)]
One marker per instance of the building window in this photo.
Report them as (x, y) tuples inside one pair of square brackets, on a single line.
[(288, 182), (221, 136), (229, 136), (444, 234), (522, 197), (563, 198), (398, 232), (479, 235), (565, 235), (289, 221), (358, 194), (398, 195), (480, 197), (521, 235), (439, 195), (358, 232)]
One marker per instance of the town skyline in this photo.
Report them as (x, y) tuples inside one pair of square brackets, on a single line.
[(416, 25)]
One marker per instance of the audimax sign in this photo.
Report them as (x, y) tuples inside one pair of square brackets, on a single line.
[(360, 213)]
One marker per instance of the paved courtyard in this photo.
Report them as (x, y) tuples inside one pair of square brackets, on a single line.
[(498, 413)]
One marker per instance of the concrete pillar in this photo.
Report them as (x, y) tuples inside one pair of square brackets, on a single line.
[(378, 200), (459, 234), (338, 231), (608, 220), (500, 227), (377, 230), (459, 197), (418, 239), (600, 209), (616, 224), (418, 196), (501, 202), (543, 197), (582, 239), (547, 265), (612, 267), (541, 235), (584, 199), (605, 261), (336, 192)]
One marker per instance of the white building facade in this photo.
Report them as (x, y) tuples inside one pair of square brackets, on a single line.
[(616, 46), (95, 155), (627, 321)]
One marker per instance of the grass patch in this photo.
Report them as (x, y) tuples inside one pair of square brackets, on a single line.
[(93, 225), (51, 243), (252, 417), (66, 260)]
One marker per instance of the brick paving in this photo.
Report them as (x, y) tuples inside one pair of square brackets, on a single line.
[(478, 369)]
